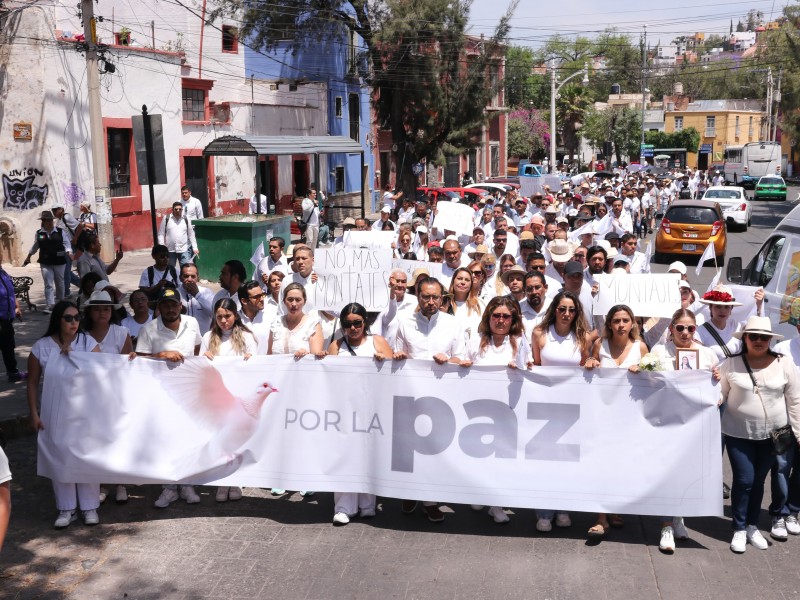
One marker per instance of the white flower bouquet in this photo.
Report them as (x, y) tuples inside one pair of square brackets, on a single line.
[(650, 362)]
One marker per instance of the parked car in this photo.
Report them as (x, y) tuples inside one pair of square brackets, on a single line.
[(776, 268), (770, 187), (736, 208), (688, 227)]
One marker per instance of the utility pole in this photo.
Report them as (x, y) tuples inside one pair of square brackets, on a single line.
[(770, 83), (102, 200), (553, 93), (776, 99), (644, 80)]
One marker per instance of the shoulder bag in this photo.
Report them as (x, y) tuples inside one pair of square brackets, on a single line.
[(782, 437)]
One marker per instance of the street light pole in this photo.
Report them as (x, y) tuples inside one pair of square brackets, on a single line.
[(553, 94), (644, 79)]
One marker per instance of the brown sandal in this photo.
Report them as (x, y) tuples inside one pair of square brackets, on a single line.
[(616, 520)]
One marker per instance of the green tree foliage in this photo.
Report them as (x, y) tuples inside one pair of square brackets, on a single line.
[(620, 126), (431, 83), (523, 88), (688, 138)]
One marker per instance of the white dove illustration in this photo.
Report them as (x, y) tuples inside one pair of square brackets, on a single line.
[(199, 389)]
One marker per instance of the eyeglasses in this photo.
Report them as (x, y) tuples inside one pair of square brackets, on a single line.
[(351, 324), (71, 318), (566, 309), (758, 337), (257, 297), (501, 316), (476, 273), (689, 328)]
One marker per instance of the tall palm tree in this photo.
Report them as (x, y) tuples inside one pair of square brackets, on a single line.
[(571, 106)]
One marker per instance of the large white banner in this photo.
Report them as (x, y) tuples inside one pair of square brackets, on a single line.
[(369, 239), (558, 438), (346, 275), (647, 295), (454, 216)]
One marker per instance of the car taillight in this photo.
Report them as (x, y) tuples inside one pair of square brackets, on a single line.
[(716, 227), (665, 224), (742, 206)]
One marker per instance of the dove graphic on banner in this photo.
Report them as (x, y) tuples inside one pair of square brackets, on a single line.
[(708, 254), (198, 388)]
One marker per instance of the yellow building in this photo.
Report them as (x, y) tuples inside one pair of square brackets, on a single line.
[(720, 123)]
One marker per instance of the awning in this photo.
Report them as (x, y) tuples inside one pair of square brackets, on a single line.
[(275, 145)]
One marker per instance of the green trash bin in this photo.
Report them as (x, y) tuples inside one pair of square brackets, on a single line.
[(220, 239)]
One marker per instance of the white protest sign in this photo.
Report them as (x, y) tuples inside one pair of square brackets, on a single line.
[(369, 239), (346, 275), (647, 295), (454, 216), (409, 266)]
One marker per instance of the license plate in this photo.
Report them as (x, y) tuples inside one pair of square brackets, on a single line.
[(690, 235), (689, 247)]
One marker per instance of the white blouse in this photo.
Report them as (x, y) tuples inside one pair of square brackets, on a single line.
[(289, 342), (114, 340), (500, 355), (45, 347), (226, 348)]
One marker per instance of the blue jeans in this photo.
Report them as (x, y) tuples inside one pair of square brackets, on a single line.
[(70, 277), (751, 461), (784, 484), (181, 257)]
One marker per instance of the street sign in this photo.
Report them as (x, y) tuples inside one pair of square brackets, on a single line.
[(706, 148), (156, 135), (647, 150)]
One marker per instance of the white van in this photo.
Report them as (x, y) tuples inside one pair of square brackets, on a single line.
[(776, 268)]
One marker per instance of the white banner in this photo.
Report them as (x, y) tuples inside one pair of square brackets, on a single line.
[(346, 275), (454, 216), (409, 266), (559, 438), (647, 295), (369, 239)]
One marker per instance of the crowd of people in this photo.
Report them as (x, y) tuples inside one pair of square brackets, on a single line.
[(516, 294)]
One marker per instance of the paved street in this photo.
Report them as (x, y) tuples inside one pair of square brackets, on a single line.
[(265, 547)]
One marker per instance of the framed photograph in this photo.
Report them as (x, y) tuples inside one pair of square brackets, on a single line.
[(687, 359)]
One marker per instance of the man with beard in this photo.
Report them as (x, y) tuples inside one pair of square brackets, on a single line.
[(596, 257), (536, 302)]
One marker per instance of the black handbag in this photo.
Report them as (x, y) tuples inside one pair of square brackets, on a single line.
[(782, 437)]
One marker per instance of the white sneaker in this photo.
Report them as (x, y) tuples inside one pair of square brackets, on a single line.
[(222, 494), (235, 493), (277, 491), (754, 537), (90, 517), (103, 494), (65, 517), (188, 494), (667, 543), (792, 526), (779, 531), (167, 497), (121, 495), (498, 515), (679, 529), (544, 525), (476, 507), (563, 520), (340, 518), (739, 542), (307, 494)]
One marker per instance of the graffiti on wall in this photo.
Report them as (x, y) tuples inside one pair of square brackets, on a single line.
[(72, 193), (20, 190)]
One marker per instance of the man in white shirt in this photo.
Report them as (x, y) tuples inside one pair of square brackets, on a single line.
[(535, 305), (384, 218), (429, 334), (197, 301), (718, 179), (627, 247), (303, 259), (620, 219), (253, 207), (273, 261), (452, 261), (155, 277), (311, 218), (231, 276), (399, 302), (512, 240), (390, 199), (252, 297), (171, 337), (192, 207), (177, 234)]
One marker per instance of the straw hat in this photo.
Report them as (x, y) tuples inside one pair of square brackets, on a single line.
[(479, 249), (560, 250), (100, 298), (721, 296), (757, 324), (417, 274), (515, 270)]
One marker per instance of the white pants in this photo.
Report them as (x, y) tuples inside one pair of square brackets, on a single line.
[(351, 502), (53, 276), (312, 236), (71, 495)]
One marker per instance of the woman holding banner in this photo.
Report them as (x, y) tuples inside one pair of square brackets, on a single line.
[(356, 340), (681, 336), (64, 335), (562, 340), (499, 341), (467, 307)]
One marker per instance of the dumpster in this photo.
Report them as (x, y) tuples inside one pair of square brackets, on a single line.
[(235, 237)]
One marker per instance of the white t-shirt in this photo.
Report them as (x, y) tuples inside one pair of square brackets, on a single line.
[(155, 337), (114, 340), (226, 345), (499, 356), (133, 326), (388, 199), (289, 342), (44, 347), (145, 282), (310, 212)]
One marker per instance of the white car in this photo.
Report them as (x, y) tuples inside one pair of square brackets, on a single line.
[(490, 187), (736, 208)]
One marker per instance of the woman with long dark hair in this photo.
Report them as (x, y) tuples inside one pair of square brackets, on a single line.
[(64, 335)]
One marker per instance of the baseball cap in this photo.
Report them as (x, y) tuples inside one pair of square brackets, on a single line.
[(169, 294), (573, 267), (678, 266)]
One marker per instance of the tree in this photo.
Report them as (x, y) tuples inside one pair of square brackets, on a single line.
[(620, 126), (528, 133), (688, 138), (523, 88), (431, 83), (571, 106)]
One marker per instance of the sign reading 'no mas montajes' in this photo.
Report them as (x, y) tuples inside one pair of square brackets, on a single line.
[(346, 275)]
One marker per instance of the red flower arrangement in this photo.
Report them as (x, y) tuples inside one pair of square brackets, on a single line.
[(715, 296)]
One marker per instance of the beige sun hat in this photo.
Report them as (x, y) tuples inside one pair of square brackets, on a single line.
[(560, 250), (756, 324)]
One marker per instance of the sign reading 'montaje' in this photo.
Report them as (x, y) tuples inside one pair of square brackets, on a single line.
[(346, 275), (548, 438), (647, 295)]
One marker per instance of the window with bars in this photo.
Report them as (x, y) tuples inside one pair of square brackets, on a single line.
[(119, 161), (338, 173), (354, 109), (194, 105)]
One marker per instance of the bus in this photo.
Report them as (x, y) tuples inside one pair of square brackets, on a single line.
[(744, 165)]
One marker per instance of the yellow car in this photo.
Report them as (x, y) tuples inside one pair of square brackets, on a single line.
[(688, 227)]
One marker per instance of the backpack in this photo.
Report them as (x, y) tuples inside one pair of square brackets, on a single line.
[(151, 273)]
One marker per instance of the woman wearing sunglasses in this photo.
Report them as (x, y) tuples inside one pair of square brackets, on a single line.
[(64, 335), (561, 340), (761, 390), (356, 341), (681, 336)]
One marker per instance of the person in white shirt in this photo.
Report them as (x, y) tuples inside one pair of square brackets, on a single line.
[(311, 218), (384, 218), (197, 301), (390, 199), (718, 179), (399, 303), (535, 305), (253, 207), (429, 334), (638, 260), (452, 261), (406, 214), (620, 219), (303, 261), (159, 274), (192, 207), (231, 276), (252, 298), (176, 233), (273, 261)]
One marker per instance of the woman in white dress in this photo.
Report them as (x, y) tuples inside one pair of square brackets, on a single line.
[(500, 341), (356, 340), (295, 333), (682, 332), (620, 347), (100, 321), (466, 307), (228, 336), (562, 340), (63, 335)]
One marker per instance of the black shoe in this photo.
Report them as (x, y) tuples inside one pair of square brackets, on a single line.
[(17, 377), (726, 491)]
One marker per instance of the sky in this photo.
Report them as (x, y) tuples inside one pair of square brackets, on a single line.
[(535, 21)]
